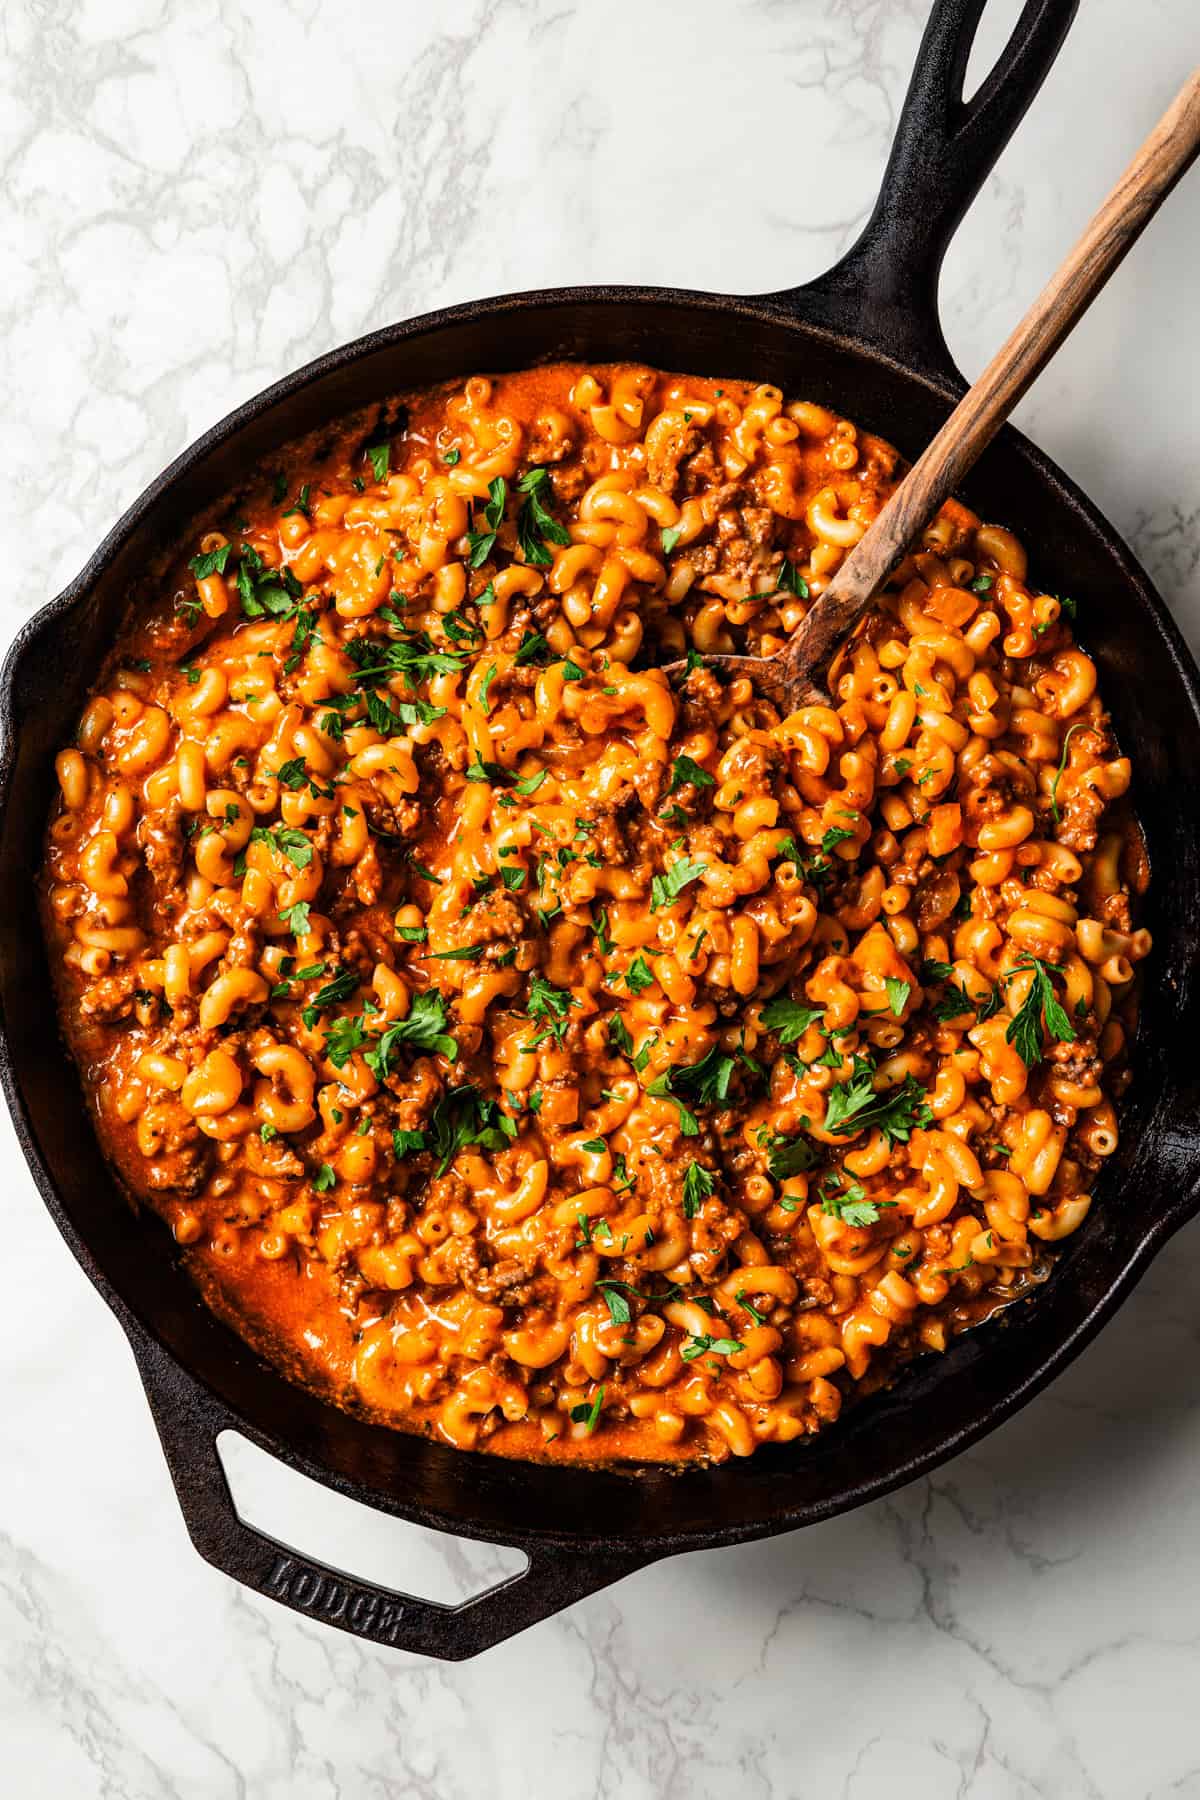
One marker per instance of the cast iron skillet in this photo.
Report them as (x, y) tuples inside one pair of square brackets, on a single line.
[(866, 339)]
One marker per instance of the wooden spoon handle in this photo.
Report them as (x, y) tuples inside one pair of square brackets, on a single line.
[(1165, 156)]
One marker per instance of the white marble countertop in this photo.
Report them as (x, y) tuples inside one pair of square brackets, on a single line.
[(198, 197)]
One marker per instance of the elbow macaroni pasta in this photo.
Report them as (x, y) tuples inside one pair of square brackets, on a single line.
[(531, 1053)]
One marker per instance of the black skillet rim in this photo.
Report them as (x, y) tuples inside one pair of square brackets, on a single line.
[(771, 312)]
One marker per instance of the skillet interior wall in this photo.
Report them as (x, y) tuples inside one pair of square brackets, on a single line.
[(938, 1397)]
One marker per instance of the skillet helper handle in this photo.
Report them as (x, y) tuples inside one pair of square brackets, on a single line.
[(189, 1422), (885, 288), (1162, 161)]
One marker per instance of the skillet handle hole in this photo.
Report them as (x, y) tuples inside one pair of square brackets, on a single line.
[(316, 1522)]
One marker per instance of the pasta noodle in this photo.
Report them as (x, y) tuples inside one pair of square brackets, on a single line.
[(529, 1051)]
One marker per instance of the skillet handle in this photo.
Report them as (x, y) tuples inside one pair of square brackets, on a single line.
[(189, 1422), (884, 290)]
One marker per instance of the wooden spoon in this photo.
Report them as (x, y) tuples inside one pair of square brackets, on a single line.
[(793, 677)]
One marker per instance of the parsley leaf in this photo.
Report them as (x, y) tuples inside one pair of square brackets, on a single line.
[(212, 562), (853, 1105), (791, 581), (1082, 725), (424, 1026), (639, 975), (666, 889), (685, 770), (789, 1018), (536, 525), (897, 993), (689, 1125), (790, 1156), (551, 1004), (699, 1346), (619, 1310), (341, 987), (1041, 1004), (852, 1206), (706, 1082), (343, 1037), (482, 543), (413, 656), (531, 645), (583, 1414), (698, 1184), (265, 590), (295, 917), (465, 1116), (293, 773), (289, 842), (489, 772)]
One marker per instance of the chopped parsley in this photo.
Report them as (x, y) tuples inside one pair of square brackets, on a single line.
[(619, 1310), (698, 1184), (212, 562), (344, 983), (1041, 1005), (295, 917), (853, 1105), (705, 1082), (685, 771), (589, 1416), (531, 645), (666, 889), (852, 1206), (660, 1087), (700, 1346), (424, 1026), (461, 1117), (287, 841), (789, 1156), (482, 543), (264, 590), (551, 1004), (791, 581), (487, 771), (639, 975), (1082, 725), (536, 525), (897, 993), (788, 1018)]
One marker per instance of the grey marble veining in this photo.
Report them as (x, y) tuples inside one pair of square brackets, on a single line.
[(197, 197)]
